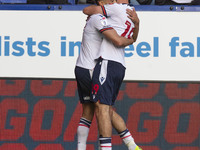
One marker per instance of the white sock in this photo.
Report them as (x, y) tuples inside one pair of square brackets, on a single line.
[(105, 143), (82, 132), (128, 139)]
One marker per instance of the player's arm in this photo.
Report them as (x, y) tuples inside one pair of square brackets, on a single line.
[(92, 9), (134, 18), (117, 40)]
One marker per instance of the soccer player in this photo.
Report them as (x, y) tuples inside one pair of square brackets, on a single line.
[(109, 72), (91, 41)]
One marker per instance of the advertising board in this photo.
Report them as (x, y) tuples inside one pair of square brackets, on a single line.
[(46, 44)]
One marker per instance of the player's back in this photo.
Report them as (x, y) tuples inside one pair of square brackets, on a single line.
[(91, 41), (117, 17)]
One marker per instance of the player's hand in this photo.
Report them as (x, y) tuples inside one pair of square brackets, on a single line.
[(132, 15)]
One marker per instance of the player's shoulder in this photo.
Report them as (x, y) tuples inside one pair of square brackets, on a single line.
[(98, 17), (130, 6), (112, 5), (122, 6)]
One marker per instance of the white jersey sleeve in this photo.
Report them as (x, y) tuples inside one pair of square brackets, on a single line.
[(100, 23)]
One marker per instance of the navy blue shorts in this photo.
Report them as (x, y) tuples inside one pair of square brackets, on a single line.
[(84, 84), (107, 79)]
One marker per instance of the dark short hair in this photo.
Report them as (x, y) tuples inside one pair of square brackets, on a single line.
[(97, 2)]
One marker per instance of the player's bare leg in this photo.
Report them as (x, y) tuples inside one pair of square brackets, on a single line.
[(103, 116), (119, 124), (84, 125), (88, 111)]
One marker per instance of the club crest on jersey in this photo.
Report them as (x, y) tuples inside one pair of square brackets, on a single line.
[(102, 78), (104, 21)]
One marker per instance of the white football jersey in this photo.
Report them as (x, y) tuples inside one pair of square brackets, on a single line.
[(91, 40), (117, 17)]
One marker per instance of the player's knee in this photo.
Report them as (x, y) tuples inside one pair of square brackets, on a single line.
[(111, 111), (102, 109)]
